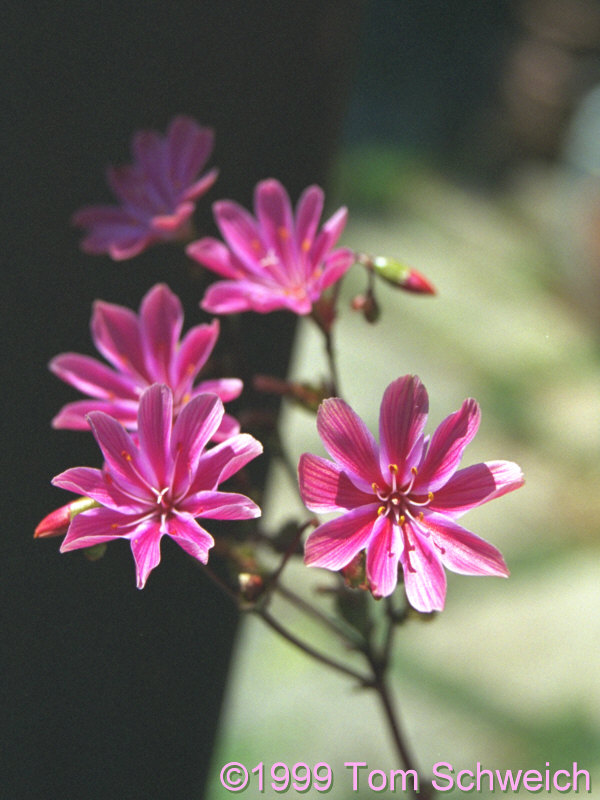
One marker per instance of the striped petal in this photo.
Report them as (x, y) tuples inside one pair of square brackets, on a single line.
[(161, 320), (447, 446), (383, 555), (335, 543), (92, 376), (424, 576), (402, 417), (325, 487), (349, 442), (145, 546), (462, 551), (477, 484)]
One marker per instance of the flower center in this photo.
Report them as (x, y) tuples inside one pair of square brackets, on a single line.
[(399, 504)]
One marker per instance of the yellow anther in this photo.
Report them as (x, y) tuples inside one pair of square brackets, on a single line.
[(402, 519), (186, 398), (126, 455), (413, 470), (421, 515), (305, 246), (430, 496), (380, 511), (375, 487), (393, 468), (283, 233)]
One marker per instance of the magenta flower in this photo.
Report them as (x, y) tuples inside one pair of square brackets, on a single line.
[(161, 486), (143, 349), (157, 192), (400, 500), (273, 261)]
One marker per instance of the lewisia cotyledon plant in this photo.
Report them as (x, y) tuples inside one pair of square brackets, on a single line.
[(162, 484), (157, 192), (276, 260), (401, 499), (143, 349)]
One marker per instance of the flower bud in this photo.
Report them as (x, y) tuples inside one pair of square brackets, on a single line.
[(57, 522), (368, 305), (401, 276)]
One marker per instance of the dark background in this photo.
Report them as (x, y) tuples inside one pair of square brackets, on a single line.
[(113, 692)]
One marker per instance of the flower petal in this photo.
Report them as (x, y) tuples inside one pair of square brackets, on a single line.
[(462, 551), (229, 427), (92, 377), (402, 417), (274, 214), (336, 265), (97, 525), (189, 147), (383, 556), (190, 536), (161, 320), (194, 351), (348, 441), (335, 543), (73, 416), (424, 576), (145, 546), (447, 446), (155, 418), (116, 334), (477, 484), (325, 487), (308, 215), (216, 256), (232, 297), (328, 236), (93, 483), (193, 429), (242, 234), (224, 460), (124, 462), (220, 505)]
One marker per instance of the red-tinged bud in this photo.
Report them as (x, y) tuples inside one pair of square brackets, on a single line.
[(401, 275), (418, 283), (58, 521), (368, 305), (251, 586)]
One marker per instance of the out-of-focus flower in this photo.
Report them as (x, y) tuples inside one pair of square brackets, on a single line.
[(157, 192), (401, 499), (143, 349), (162, 484), (276, 260)]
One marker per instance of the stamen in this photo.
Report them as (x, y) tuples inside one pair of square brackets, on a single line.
[(305, 246), (283, 233), (380, 511), (393, 468), (126, 455)]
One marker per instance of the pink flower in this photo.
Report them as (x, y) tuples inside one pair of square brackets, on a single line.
[(157, 192), (273, 261), (400, 500), (161, 486), (143, 349)]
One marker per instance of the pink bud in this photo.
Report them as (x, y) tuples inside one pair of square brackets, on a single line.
[(57, 522)]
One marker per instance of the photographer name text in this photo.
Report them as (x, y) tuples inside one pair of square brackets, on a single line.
[(359, 776)]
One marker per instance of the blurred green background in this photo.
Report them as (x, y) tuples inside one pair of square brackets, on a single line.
[(507, 675)]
